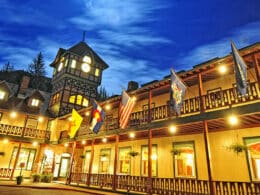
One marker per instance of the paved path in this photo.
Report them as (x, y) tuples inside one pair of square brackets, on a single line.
[(29, 188)]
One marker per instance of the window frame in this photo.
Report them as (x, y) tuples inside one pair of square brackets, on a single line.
[(192, 142)]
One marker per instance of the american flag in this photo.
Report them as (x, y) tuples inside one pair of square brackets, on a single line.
[(127, 106)]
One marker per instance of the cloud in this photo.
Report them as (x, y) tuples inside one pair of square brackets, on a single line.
[(242, 36)]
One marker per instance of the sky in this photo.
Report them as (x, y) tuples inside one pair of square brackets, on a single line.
[(140, 40)]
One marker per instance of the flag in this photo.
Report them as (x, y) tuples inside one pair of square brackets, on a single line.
[(240, 70), (177, 93), (97, 117), (126, 108), (75, 123)]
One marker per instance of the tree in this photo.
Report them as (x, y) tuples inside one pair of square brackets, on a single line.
[(37, 70), (8, 67), (102, 94)]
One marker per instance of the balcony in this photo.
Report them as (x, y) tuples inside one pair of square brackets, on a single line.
[(16, 131)]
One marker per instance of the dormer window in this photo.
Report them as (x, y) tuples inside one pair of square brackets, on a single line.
[(2, 95), (35, 102)]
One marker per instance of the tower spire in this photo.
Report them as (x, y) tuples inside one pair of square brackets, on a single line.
[(83, 36)]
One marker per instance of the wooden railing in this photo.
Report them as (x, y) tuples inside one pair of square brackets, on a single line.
[(28, 132), (167, 186), (5, 172)]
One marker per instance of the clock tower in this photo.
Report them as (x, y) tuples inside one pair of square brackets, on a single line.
[(76, 76)]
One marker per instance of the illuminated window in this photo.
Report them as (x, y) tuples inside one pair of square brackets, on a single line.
[(60, 66), (79, 99), (184, 161), (253, 151), (2, 95), (72, 99), (26, 156), (73, 63), (85, 102), (144, 167), (104, 160), (55, 98), (97, 72), (66, 63), (87, 59), (124, 161), (87, 161), (85, 67), (35, 102)]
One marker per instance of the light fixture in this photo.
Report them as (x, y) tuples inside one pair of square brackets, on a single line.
[(87, 113), (222, 69), (66, 145), (132, 135), (13, 114), (104, 140), (70, 119), (35, 143), (233, 120), (172, 129), (107, 107), (5, 141), (83, 142), (40, 119)]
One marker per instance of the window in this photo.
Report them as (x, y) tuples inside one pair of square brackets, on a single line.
[(253, 157), (97, 72), (77, 99), (55, 98), (73, 63), (35, 102), (144, 167), (2, 95), (26, 156), (85, 102), (124, 160), (60, 66), (86, 161), (104, 160), (87, 59), (32, 123), (184, 161)]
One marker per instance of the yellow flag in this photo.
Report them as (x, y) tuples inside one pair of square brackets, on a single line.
[(74, 124)]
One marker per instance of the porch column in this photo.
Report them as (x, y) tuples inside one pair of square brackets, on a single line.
[(91, 162), (115, 163), (206, 137), (149, 179), (257, 71), (19, 148), (71, 162)]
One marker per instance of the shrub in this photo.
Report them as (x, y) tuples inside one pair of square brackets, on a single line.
[(36, 177), (47, 178)]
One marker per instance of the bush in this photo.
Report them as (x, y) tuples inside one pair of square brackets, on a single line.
[(36, 177), (47, 178)]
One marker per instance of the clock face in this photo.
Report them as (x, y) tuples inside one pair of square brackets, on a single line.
[(85, 67)]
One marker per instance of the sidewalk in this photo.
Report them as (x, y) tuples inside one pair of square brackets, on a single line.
[(54, 185)]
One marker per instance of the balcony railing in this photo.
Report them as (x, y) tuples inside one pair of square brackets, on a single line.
[(166, 185), (28, 132), (214, 100), (5, 172)]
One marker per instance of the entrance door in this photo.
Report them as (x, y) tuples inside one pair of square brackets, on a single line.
[(64, 166)]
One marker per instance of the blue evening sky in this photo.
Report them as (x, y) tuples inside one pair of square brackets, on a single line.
[(139, 39)]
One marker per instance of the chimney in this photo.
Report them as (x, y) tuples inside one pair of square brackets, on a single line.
[(132, 85), (24, 84)]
